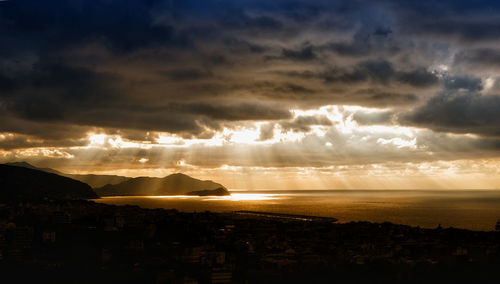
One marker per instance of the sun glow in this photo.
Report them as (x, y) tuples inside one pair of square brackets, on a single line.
[(400, 143), (97, 139), (245, 197), (340, 117), (314, 155), (232, 197), (114, 141)]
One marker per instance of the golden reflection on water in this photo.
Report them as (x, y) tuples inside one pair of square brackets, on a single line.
[(478, 210), (245, 197), (232, 197), (165, 196)]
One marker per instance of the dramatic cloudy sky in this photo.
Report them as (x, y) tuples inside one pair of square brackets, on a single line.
[(256, 93)]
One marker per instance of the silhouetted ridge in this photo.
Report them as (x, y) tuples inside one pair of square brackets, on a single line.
[(218, 192), (21, 183), (93, 180), (30, 166), (174, 184)]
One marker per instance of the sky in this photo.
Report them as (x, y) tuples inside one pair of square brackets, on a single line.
[(256, 94)]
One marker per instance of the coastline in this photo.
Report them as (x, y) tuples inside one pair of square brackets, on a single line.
[(467, 210)]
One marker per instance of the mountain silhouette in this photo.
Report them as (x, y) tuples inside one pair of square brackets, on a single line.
[(94, 181), (210, 192), (174, 184), (23, 184)]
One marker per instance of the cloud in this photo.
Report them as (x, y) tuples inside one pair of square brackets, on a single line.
[(196, 68), (243, 21), (371, 118), (381, 72), (478, 58), (366, 42), (303, 123), (123, 27), (235, 112), (266, 131), (304, 54), (462, 28), (6, 83), (458, 112), (53, 131), (9, 141), (238, 45), (419, 77), (186, 74), (463, 82)]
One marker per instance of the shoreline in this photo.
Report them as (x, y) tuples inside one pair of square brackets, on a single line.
[(452, 211)]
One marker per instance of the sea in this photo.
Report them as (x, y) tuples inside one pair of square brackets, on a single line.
[(466, 209)]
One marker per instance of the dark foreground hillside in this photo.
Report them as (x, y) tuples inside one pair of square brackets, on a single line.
[(19, 183), (86, 242), (94, 181)]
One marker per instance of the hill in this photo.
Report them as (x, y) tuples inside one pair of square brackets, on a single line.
[(94, 181), (21, 183), (175, 184), (30, 166), (218, 192)]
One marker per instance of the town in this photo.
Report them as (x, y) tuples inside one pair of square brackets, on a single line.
[(82, 241)]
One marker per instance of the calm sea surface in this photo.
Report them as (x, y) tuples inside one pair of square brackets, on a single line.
[(470, 209)]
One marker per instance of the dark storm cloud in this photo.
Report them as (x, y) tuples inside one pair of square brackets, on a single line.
[(291, 88), (378, 72), (419, 77), (480, 57), (235, 112), (356, 48), (381, 72), (366, 42), (152, 120), (459, 109), (462, 28), (466, 112), (463, 82), (6, 83), (382, 31), (55, 24), (42, 130), (466, 21), (24, 142), (59, 93), (52, 89), (237, 45), (260, 23), (186, 74), (304, 54), (383, 98), (188, 66)]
